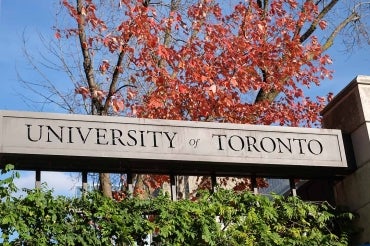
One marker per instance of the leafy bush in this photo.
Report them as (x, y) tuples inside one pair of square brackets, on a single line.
[(220, 218)]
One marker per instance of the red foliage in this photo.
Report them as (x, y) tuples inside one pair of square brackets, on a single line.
[(155, 181), (118, 195), (213, 63), (221, 60)]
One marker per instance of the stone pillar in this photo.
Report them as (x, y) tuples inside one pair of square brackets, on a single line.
[(350, 112)]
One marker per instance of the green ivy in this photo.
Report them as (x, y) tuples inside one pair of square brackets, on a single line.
[(220, 218)]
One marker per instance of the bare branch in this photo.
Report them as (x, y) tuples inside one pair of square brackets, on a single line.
[(87, 61), (48, 85), (263, 5), (314, 24), (330, 40), (113, 84)]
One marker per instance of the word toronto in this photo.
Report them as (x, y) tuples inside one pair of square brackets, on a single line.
[(166, 139)]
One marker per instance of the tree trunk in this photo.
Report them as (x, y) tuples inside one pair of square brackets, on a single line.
[(105, 184)]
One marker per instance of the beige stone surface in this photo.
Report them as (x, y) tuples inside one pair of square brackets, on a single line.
[(345, 112), (364, 90), (353, 191), (140, 139), (350, 112), (350, 108), (363, 224), (361, 144)]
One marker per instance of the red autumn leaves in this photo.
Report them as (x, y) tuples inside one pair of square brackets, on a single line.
[(208, 64)]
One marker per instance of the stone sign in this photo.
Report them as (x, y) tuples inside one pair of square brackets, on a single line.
[(59, 141)]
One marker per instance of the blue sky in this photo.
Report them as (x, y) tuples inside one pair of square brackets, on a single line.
[(33, 17), (37, 16), (17, 17)]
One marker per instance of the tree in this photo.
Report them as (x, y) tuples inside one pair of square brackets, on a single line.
[(202, 60)]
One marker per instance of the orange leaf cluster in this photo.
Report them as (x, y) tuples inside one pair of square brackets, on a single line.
[(216, 61)]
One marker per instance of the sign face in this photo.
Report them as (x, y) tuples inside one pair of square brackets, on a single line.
[(81, 142)]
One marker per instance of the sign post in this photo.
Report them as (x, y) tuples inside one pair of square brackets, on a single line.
[(96, 143)]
